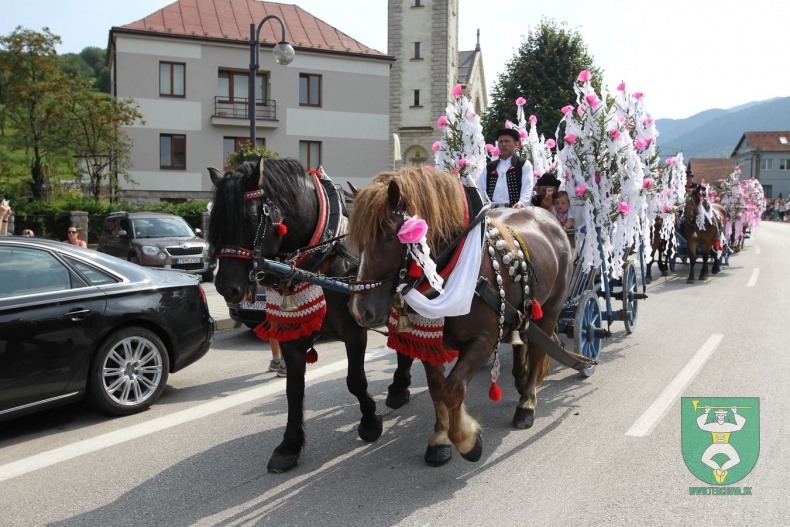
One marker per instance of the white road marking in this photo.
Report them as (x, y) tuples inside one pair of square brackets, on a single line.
[(645, 424), (753, 278), (51, 457), (757, 250)]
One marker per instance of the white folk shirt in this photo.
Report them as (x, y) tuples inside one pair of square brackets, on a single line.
[(501, 195)]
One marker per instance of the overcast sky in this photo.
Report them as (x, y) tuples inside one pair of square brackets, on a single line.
[(685, 55)]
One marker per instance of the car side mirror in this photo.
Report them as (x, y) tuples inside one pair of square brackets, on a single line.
[(122, 233), (199, 232)]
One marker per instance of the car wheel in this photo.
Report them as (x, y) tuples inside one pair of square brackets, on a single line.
[(208, 276), (129, 372)]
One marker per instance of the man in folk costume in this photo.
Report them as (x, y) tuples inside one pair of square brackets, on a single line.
[(508, 180)]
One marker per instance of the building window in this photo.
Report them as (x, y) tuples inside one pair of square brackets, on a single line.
[(417, 3), (172, 151), (310, 154), (172, 80), (233, 144), (766, 164), (417, 51), (234, 87), (784, 164), (417, 98), (309, 90), (768, 191)]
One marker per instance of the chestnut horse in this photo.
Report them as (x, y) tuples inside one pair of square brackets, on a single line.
[(380, 211), (703, 223), (273, 217)]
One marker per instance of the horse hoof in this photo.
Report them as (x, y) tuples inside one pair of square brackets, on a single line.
[(476, 453), (438, 455), (371, 433), (524, 418), (649, 279), (280, 463), (396, 400), (690, 281)]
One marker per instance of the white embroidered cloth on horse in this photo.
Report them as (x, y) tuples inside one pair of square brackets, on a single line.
[(459, 288)]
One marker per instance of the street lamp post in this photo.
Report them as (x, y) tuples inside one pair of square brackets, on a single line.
[(283, 54)]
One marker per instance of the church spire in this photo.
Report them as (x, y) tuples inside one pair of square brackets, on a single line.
[(477, 47)]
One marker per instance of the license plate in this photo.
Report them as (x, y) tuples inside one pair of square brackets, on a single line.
[(259, 305), (187, 260)]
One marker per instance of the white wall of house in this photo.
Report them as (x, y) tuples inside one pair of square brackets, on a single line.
[(351, 124)]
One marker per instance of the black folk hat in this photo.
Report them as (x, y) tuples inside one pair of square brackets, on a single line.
[(548, 179), (512, 132)]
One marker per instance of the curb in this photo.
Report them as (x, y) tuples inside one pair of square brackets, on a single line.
[(224, 324)]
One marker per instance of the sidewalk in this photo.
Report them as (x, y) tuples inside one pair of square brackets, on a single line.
[(219, 309)]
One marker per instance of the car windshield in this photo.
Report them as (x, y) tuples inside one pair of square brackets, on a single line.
[(162, 228)]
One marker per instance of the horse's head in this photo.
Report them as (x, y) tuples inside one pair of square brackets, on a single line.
[(380, 210), (695, 196), (246, 222)]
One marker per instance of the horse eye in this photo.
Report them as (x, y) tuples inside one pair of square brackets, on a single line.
[(390, 237)]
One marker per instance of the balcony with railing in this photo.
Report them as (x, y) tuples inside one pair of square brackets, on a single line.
[(236, 112)]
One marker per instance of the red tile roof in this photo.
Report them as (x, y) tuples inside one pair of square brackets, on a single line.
[(231, 19), (711, 169), (767, 141)]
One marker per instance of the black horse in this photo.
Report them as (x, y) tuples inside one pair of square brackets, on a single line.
[(296, 217)]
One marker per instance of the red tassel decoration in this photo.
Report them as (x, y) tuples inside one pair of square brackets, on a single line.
[(282, 230), (537, 312), (414, 269), (495, 392), (312, 356)]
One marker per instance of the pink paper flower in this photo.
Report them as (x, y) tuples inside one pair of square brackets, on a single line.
[(412, 230), (522, 134), (508, 125), (537, 173), (621, 86), (570, 138), (640, 143), (521, 101), (584, 76), (550, 143), (489, 147), (436, 146), (495, 152), (615, 134), (580, 190), (462, 163), (670, 161), (624, 207), (667, 208), (442, 122), (648, 121), (638, 95), (597, 178), (566, 109), (580, 110), (457, 90), (593, 101), (532, 119), (621, 118), (647, 182)]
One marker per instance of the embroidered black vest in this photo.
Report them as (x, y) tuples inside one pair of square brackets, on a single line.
[(513, 179)]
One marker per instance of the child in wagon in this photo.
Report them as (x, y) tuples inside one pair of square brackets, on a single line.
[(562, 209)]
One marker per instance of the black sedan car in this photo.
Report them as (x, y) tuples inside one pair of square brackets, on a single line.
[(76, 323)]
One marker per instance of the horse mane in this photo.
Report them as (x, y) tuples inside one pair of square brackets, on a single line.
[(434, 196), (284, 183)]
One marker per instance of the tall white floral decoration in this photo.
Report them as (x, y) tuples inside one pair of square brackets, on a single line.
[(532, 147), (670, 195), (462, 146), (605, 172)]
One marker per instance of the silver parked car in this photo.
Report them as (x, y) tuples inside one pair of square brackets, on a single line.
[(156, 239)]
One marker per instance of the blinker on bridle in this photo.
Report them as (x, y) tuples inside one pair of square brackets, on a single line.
[(267, 211)]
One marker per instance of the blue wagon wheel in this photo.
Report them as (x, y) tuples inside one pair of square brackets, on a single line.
[(588, 319), (630, 300)]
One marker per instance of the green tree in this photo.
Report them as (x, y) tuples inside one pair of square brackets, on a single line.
[(33, 89), (96, 136), (75, 66), (543, 71)]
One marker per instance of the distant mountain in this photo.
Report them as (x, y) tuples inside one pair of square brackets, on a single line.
[(715, 133)]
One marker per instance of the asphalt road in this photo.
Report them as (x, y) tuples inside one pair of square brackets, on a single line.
[(603, 451)]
